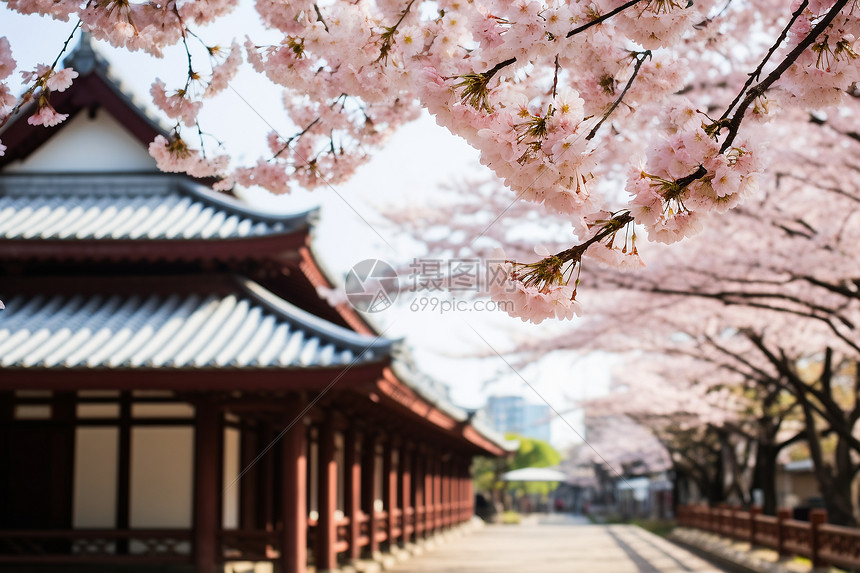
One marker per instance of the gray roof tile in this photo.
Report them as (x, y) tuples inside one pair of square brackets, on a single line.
[(249, 328), (143, 207)]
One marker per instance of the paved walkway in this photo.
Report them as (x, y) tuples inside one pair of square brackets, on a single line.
[(558, 545)]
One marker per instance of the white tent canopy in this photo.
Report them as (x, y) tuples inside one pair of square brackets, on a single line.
[(534, 474)]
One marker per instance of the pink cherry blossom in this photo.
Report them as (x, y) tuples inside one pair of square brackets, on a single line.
[(47, 116), (61, 80)]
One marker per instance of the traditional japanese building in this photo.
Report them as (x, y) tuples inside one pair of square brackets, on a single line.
[(173, 390)]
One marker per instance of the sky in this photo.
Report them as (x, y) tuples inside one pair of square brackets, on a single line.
[(418, 160)]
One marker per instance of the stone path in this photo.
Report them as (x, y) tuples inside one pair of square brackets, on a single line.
[(557, 545)]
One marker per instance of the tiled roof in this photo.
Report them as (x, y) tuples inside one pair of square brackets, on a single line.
[(250, 328), (142, 207)]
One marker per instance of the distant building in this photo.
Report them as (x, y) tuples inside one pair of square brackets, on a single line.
[(514, 414)]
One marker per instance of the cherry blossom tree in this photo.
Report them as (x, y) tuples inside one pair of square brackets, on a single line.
[(567, 102)]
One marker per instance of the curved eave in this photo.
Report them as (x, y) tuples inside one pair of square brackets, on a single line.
[(356, 342), (316, 275), (399, 395), (231, 205), (275, 245)]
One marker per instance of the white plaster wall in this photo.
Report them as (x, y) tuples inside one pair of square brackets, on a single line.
[(230, 517), (162, 469), (97, 144), (94, 502)]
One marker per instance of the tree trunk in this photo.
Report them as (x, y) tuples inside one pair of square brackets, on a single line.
[(765, 476)]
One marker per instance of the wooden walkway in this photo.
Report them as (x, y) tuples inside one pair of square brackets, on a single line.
[(557, 546)]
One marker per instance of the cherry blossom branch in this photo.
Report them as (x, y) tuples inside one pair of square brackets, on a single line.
[(480, 80), (603, 18), (756, 74), (28, 94), (640, 59), (733, 124), (389, 33), (320, 16)]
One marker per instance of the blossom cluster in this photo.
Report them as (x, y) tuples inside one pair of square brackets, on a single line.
[(687, 176), (559, 97), (531, 301), (821, 75)]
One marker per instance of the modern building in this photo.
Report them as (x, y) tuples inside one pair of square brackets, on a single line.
[(513, 414), (173, 392)]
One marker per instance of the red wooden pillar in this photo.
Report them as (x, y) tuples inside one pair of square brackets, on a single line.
[(420, 495), (405, 472), (461, 492), (294, 512), (429, 493), (389, 490), (443, 485), (352, 490), (437, 493), (470, 495), (207, 469), (368, 490), (326, 557)]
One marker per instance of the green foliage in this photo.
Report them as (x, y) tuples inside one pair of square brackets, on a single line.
[(532, 453)]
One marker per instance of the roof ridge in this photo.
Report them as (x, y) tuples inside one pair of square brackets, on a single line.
[(141, 183)]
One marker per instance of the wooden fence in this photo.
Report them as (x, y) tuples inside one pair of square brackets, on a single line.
[(822, 543)]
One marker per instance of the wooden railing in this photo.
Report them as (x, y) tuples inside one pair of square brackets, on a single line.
[(815, 539), (167, 546), (109, 546)]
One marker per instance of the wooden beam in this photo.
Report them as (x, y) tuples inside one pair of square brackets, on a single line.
[(191, 379), (326, 556), (294, 513), (123, 485), (389, 489), (368, 490), (352, 489), (207, 521), (407, 522)]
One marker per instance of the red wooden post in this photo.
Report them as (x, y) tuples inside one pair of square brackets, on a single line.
[(782, 515), (429, 493), (389, 490), (817, 518), (326, 557), (446, 493), (437, 493), (755, 511), (294, 511), (352, 489), (461, 491), (470, 495), (405, 471), (207, 468), (420, 494), (368, 490)]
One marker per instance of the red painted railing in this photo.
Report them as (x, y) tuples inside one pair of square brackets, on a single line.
[(815, 539)]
